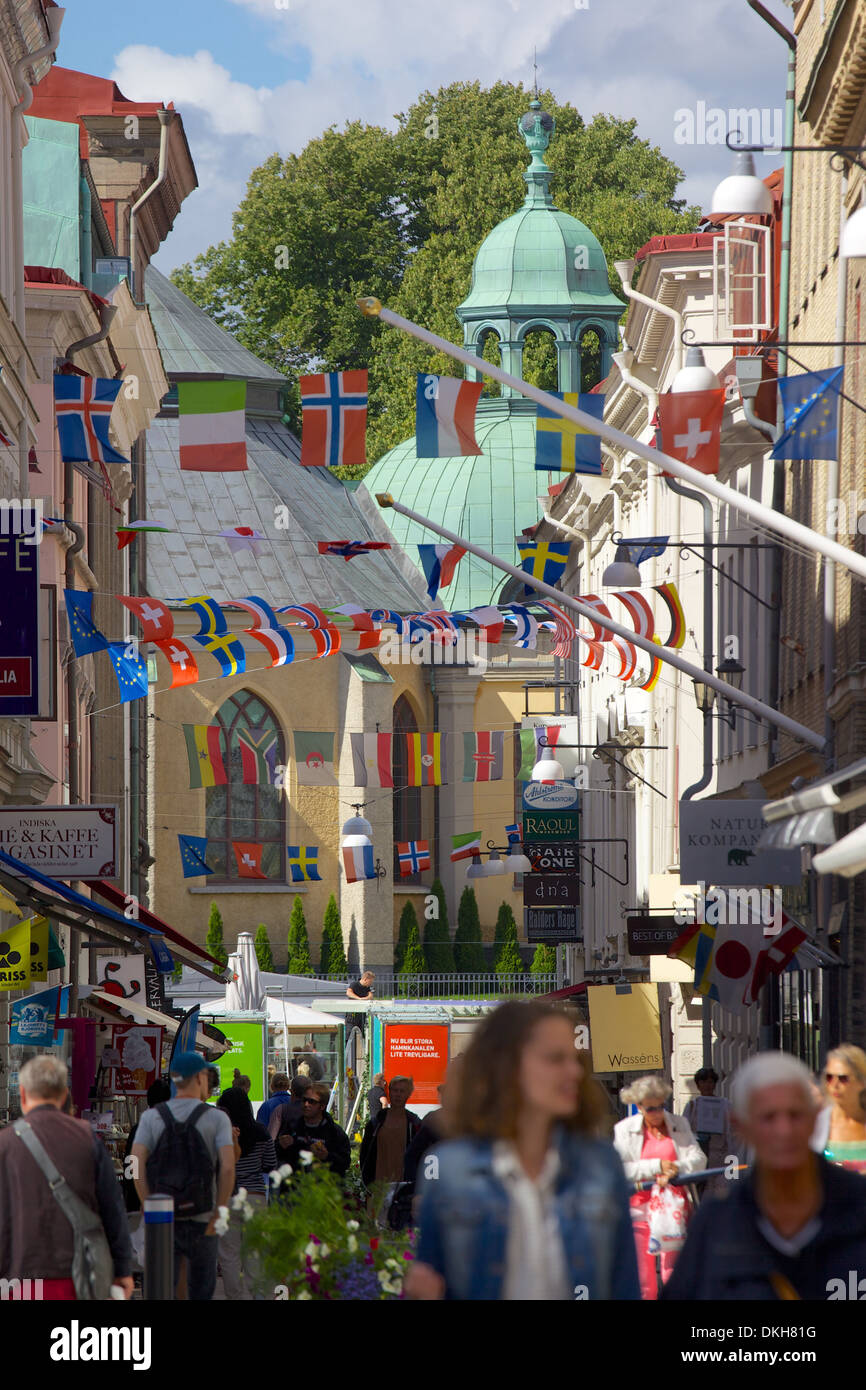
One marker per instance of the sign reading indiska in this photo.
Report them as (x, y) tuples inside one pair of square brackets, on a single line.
[(71, 842)]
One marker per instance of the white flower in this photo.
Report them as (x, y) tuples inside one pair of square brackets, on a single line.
[(303, 1295), (239, 1199), (351, 1225), (306, 1157), (352, 1244), (392, 1264), (311, 1249), (324, 1252), (221, 1225), (249, 1211), (384, 1277), (286, 1170)]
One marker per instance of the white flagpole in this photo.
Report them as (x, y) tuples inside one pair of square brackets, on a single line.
[(671, 658), (766, 516)]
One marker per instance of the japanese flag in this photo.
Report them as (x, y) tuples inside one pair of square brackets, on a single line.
[(690, 424)]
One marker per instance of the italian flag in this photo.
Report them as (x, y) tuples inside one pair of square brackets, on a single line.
[(212, 425), (465, 846)]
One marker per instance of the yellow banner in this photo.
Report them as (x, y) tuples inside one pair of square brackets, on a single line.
[(8, 904), (624, 1028), (39, 948), (15, 956)]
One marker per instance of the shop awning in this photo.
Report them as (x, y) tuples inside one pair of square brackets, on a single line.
[(106, 1005), (149, 919), (56, 900)]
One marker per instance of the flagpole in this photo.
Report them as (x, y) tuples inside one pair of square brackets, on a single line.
[(672, 658), (765, 516)]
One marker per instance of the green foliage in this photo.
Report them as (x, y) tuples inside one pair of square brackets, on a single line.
[(214, 939), (507, 960), (401, 215), (264, 954), (333, 955), (413, 959), (504, 924), (544, 960), (299, 960), (468, 951), (408, 919), (438, 951)]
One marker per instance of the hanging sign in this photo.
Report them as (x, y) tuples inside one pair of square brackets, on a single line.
[(718, 845), (71, 842), (550, 796), (551, 925), (33, 1018), (624, 1026), (19, 607), (552, 858), (652, 936), (543, 825), (551, 890)]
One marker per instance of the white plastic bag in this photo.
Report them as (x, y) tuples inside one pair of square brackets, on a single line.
[(668, 1211)]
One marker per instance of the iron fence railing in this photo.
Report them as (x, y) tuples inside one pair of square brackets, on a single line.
[(458, 985)]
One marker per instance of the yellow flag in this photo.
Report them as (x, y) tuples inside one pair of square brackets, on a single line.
[(15, 956), (39, 948), (8, 904)]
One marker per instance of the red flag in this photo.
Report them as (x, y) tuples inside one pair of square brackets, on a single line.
[(774, 958), (184, 668), (691, 427), (249, 859), (155, 618)]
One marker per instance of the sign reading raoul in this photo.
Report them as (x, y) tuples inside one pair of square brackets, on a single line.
[(61, 841), (718, 845), (551, 825)]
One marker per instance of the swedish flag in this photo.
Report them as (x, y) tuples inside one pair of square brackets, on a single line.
[(544, 559), (304, 862), (228, 651), (562, 445), (811, 405)]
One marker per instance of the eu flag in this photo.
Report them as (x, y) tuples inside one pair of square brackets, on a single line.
[(131, 670), (563, 446), (811, 404), (85, 636), (193, 849)]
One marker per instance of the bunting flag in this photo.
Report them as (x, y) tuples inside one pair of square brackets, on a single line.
[(655, 670), (249, 859), (358, 863), (671, 600), (243, 538), (465, 846), (334, 419), (593, 654), (527, 627), (130, 669), (810, 401), (83, 633), (528, 753), (304, 863), (483, 756), (184, 667), (545, 560), (211, 419), (261, 613), (640, 548), (83, 405), (205, 756), (258, 747), (349, 550), (627, 654), (561, 444), (439, 561), (413, 856), (314, 756), (513, 834), (227, 649), (638, 610), (426, 764), (564, 630), (278, 641), (126, 534), (445, 417), (211, 616), (326, 640), (193, 849), (386, 615), (600, 633), (690, 423), (442, 627), (489, 620), (15, 955), (154, 616), (39, 945), (371, 756), (8, 904), (306, 615)]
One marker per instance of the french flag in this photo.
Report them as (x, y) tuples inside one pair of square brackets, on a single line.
[(358, 863), (445, 416), (439, 563)]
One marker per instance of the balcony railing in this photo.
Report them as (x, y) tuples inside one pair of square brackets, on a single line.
[(487, 985)]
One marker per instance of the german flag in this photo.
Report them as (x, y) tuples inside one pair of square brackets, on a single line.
[(425, 760), (671, 599), (655, 671), (206, 766)]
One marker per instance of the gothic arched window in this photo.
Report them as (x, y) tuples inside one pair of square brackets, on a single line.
[(250, 812), (406, 800)]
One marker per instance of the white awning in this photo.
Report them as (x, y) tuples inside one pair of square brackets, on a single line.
[(96, 997)]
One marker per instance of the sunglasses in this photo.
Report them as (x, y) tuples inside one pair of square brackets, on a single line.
[(652, 1109), (312, 1100), (837, 1076)]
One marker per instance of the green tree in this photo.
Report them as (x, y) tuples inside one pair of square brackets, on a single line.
[(333, 955), (264, 954), (468, 951), (299, 960), (408, 918), (504, 923), (544, 960), (413, 961), (214, 939), (438, 950), (507, 959)]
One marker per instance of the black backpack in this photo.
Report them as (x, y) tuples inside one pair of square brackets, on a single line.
[(181, 1165)]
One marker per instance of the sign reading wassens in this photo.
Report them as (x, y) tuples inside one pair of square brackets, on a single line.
[(61, 841), (549, 796), (718, 844)]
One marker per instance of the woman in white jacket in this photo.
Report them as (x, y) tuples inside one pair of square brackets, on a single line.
[(653, 1144)]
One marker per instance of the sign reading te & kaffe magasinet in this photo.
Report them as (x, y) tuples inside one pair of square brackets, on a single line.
[(71, 842), (718, 845)]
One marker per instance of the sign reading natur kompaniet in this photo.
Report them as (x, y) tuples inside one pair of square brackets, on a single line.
[(719, 845), (61, 841)]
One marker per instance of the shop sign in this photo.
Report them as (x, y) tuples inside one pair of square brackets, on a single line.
[(551, 890), (551, 925), (70, 842), (551, 825), (718, 845), (552, 858), (550, 796)]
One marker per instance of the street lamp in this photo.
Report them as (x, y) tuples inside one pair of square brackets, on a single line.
[(547, 769), (705, 697), (695, 375), (621, 573), (852, 243), (742, 193)]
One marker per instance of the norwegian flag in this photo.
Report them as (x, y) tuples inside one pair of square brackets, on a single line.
[(413, 856), (155, 617), (184, 668), (334, 419), (249, 859), (307, 615), (690, 425), (326, 640), (277, 640), (83, 406)]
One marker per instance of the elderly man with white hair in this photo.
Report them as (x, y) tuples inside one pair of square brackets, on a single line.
[(795, 1225)]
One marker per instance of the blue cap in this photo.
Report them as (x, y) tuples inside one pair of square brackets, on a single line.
[(187, 1064)]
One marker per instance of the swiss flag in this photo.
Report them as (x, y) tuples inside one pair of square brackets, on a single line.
[(690, 423), (249, 858), (184, 668), (155, 618)]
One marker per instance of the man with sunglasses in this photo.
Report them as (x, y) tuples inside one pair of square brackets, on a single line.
[(317, 1134)]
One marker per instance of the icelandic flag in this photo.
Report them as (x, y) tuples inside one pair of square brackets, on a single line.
[(83, 406), (358, 863), (334, 419), (439, 563), (445, 417)]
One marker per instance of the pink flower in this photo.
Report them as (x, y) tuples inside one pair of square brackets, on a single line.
[(407, 1255)]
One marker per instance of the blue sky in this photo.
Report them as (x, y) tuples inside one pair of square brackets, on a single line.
[(251, 77)]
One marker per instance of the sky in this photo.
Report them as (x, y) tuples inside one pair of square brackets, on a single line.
[(255, 77)]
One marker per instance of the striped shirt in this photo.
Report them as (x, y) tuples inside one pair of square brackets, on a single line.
[(251, 1168)]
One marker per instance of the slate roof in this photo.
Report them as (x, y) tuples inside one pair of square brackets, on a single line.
[(191, 343)]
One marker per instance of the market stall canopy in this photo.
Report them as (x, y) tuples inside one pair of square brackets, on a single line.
[(281, 1011), (107, 1006)]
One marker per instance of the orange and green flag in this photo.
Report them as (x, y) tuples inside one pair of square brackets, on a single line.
[(205, 755)]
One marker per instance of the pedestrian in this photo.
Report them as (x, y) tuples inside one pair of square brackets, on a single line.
[(523, 1202), (257, 1158), (361, 988), (158, 1092), (654, 1144), (312, 1061), (184, 1148), (388, 1136), (840, 1128), (794, 1227), (37, 1241), (280, 1095), (711, 1125), (317, 1134), (242, 1083), (290, 1110), (376, 1095)]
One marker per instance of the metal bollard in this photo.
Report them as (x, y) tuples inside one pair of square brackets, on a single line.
[(158, 1248)]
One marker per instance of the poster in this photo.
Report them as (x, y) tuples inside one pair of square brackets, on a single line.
[(624, 1027), (139, 1047), (32, 1023), (70, 842), (419, 1050), (247, 1053)]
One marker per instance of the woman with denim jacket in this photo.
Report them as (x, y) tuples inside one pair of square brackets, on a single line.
[(523, 1201)]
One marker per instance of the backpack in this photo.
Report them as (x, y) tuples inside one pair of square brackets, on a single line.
[(180, 1165)]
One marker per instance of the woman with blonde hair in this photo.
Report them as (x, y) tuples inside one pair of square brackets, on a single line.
[(653, 1144), (523, 1201), (840, 1128)]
